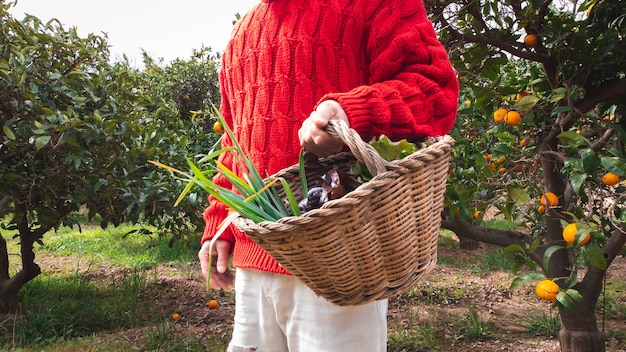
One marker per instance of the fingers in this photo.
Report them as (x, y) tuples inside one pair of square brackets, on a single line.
[(221, 280), (203, 255), (312, 135), (221, 252), (221, 277)]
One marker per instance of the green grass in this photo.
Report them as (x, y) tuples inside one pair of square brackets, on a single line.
[(126, 246), (61, 307), (66, 309), (612, 302), (417, 336), (542, 324), (474, 328)]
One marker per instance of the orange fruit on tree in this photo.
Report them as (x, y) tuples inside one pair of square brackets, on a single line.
[(512, 118), (477, 214), (569, 235), (498, 115), (549, 199), (610, 179), (213, 304), (531, 40), (547, 290), (541, 209), (524, 142), (501, 170), (520, 95), (487, 158), (217, 127)]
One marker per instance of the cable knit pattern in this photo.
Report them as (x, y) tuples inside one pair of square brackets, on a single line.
[(380, 59)]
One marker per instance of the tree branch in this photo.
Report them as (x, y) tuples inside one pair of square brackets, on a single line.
[(594, 276), (609, 90), (496, 237)]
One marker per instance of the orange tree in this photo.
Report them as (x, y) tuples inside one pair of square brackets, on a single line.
[(76, 132), (561, 66)]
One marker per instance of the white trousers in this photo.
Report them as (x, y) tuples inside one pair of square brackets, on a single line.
[(278, 313)]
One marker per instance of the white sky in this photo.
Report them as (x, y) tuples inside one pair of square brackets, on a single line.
[(165, 29)]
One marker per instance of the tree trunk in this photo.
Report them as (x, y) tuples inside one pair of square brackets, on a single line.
[(8, 297), (9, 287), (7, 300), (579, 332), (468, 244)]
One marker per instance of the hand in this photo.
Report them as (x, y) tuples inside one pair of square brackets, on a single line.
[(221, 277), (312, 136)]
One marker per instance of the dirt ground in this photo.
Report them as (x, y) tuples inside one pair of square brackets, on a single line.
[(446, 294)]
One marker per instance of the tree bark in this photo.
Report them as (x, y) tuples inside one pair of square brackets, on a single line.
[(9, 287), (496, 237), (579, 332), (468, 244)]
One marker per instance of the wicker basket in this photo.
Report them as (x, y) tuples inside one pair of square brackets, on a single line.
[(374, 242)]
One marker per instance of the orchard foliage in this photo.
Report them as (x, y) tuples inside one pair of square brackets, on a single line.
[(568, 82), (76, 132)]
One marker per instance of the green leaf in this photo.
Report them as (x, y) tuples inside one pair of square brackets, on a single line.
[(519, 195), (513, 249), (41, 141), (571, 138), (302, 172), (614, 165), (577, 179), (575, 295), (293, 203), (565, 300), (184, 193), (590, 160), (390, 150), (8, 132), (547, 254), (595, 256), (525, 278), (558, 94), (526, 103)]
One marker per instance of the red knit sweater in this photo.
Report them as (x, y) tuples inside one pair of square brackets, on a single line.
[(380, 59)]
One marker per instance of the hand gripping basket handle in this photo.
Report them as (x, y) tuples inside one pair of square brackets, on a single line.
[(362, 150)]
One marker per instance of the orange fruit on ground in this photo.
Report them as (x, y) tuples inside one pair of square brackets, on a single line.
[(498, 115), (524, 142), (175, 316), (610, 179), (512, 118), (531, 40), (213, 304), (569, 235), (217, 127), (547, 290), (549, 199)]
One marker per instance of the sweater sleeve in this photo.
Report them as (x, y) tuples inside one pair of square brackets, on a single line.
[(412, 90), (216, 212)]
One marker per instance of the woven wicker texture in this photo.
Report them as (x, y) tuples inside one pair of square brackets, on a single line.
[(374, 242)]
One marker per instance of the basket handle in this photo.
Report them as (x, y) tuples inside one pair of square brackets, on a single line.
[(362, 150)]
